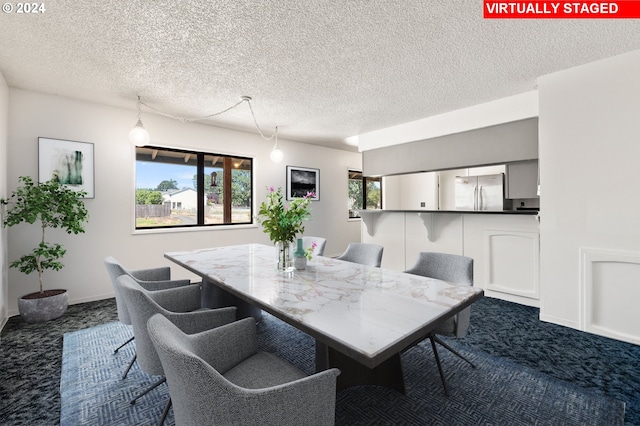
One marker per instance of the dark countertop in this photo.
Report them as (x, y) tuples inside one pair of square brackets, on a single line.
[(516, 212)]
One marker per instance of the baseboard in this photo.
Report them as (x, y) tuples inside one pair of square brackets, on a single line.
[(512, 298), (3, 323), (560, 321), (92, 298)]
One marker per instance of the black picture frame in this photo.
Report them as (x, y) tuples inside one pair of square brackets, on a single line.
[(302, 180), (69, 162)]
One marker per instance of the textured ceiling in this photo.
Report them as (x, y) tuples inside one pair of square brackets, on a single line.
[(321, 70)]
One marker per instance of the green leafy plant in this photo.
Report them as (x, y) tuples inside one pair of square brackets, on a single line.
[(283, 222), (53, 205)]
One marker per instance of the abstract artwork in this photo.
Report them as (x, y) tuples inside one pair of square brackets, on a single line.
[(68, 162)]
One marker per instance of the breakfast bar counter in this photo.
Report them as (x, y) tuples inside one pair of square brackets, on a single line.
[(505, 245), (516, 212)]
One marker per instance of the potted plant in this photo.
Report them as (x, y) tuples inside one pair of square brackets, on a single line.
[(52, 205), (283, 223)]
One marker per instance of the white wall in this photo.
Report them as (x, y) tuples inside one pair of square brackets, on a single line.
[(589, 145), (110, 228), (4, 118)]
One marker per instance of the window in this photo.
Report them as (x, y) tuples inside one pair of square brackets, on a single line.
[(364, 193), (176, 188)]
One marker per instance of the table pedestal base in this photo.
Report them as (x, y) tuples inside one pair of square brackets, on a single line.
[(353, 373), (215, 297)]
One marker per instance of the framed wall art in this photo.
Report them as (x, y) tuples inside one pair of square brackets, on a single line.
[(70, 163), (301, 180)]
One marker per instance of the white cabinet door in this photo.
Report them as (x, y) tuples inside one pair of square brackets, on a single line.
[(447, 191), (505, 249), (522, 180), (512, 262)]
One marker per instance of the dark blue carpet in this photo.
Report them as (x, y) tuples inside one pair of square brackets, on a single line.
[(497, 392), (514, 332), (31, 356)]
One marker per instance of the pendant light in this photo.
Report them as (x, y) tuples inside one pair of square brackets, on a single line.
[(276, 152), (139, 135)]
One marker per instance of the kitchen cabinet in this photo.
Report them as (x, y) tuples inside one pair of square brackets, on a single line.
[(429, 190), (506, 253), (410, 192), (505, 246), (522, 180)]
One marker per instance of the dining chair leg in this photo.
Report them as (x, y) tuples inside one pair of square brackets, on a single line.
[(165, 413), (119, 347), (435, 353), (152, 387), (130, 365), (437, 339)]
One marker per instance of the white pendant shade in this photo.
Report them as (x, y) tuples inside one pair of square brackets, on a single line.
[(139, 135), (276, 155)]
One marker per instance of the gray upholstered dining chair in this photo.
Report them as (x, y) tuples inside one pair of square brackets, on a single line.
[(219, 377), (181, 306), (151, 279), (307, 242), (456, 269), (363, 253)]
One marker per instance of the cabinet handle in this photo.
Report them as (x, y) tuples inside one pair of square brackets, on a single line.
[(475, 197)]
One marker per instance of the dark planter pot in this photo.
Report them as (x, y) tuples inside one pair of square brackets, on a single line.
[(40, 309)]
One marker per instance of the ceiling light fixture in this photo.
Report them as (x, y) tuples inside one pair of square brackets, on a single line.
[(140, 137), (276, 153)]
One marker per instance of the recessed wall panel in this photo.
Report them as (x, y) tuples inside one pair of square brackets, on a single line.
[(611, 290)]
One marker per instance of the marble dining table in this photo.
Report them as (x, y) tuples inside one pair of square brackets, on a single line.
[(361, 317)]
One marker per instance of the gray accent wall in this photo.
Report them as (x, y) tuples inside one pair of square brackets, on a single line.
[(503, 143)]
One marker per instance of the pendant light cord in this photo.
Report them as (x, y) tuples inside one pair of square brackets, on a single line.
[(246, 99), (258, 126)]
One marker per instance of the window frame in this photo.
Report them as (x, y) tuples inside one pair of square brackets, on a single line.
[(200, 191), (364, 191)]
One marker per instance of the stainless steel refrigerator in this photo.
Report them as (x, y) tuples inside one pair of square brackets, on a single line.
[(480, 192)]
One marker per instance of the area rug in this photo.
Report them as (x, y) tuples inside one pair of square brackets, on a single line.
[(497, 392)]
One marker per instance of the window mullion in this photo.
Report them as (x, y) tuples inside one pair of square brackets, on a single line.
[(364, 193), (200, 190), (226, 181)]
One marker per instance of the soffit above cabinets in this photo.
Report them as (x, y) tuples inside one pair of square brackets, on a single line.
[(504, 143)]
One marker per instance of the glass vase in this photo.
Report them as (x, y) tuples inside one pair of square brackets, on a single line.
[(284, 253)]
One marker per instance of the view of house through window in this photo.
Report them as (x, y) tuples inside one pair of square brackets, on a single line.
[(364, 193), (176, 188)]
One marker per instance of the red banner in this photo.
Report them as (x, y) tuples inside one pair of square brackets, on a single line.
[(623, 9)]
